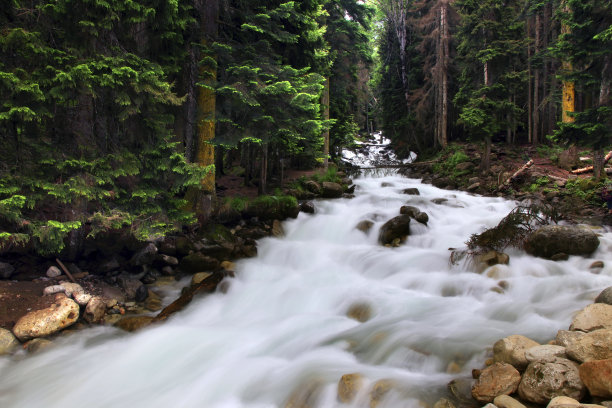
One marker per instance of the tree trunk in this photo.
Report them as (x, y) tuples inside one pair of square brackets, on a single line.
[(191, 106), (529, 87), (263, 169), (536, 83), (325, 102), (444, 49), (485, 163), (569, 92)]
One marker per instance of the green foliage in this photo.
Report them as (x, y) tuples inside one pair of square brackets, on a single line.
[(538, 184)]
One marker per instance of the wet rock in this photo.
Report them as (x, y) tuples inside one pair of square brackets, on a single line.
[(37, 345), (544, 380), (134, 323), (506, 401), (386, 184), (53, 272), (305, 395), (168, 270), (512, 349), (144, 256), (313, 187), (362, 312), (489, 259), (597, 265), (348, 387), (277, 229), (199, 277), (169, 260), (461, 389), (605, 296), (545, 352), (8, 342), (409, 210), (550, 240), (596, 345), (473, 187), (498, 379), (134, 289), (198, 262), (411, 191), (61, 314), (439, 201), (153, 302), (396, 228), (444, 403), (593, 317), (331, 190), (95, 310), (597, 377), (6, 270), (422, 217), (365, 226), (379, 390), (307, 207)]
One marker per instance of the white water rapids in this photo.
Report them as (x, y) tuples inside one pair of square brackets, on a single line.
[(282, 326)]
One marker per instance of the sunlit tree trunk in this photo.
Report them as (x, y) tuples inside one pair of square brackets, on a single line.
[(325, 102), (444, 55)]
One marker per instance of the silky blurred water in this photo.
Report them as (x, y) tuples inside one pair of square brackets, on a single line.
[(281, 332)]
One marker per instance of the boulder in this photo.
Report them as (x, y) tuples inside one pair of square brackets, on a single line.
[(307, 207), (133, 323), (605, 296), (144, 256), (422, 217), (95, 310), (8, 342), (153, 302), (409, 210), (348, 387), (364, 226), (134, 289), (565, 337), (396, 228), (596, 345), (82, 298), (411, 191), (544, 380), (6, 270), (53, 272), (40, 323), (169, 260), (511, 350), (545, 352), (495, 380), (277, 229), (506, 401), (198, 262), (550, 240), (313, 187), (331, 190), (597, 377), (593, 317)]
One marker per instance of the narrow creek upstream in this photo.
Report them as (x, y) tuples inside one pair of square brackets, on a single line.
[(281, 331)]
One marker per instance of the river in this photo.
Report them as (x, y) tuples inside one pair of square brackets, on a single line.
[(281, 333)]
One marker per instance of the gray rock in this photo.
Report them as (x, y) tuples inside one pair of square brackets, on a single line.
[(473, 187), (439, 201), (411, 191), (596, 345), (134, 288), (82, 298), (6, 270), (550, 240), (40, 323), (8, 342), (605, 296), (51, 290), (545, 352), (565, 337), (307, 207), (544, 380), (331, 190), (396, 228), (145, 256), (72, 288), (169, 260), (53, 272)]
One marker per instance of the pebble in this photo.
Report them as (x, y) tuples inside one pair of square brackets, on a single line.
[(53, 272)]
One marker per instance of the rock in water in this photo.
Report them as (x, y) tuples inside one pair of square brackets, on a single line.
[(396, 228), (95, 310), (550, 240), (498, 379), (40, 323), (331, 190), (8, 342), (605, 296), (544, 380), (348, 387)]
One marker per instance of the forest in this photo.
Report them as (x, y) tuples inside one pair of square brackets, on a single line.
[(119, 114)]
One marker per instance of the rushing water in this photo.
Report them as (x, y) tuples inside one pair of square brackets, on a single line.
[(281, 331)]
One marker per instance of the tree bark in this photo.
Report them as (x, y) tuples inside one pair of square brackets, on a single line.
[(263, 169), (325, 102), (444, 49), (536, 83), (529, 87)]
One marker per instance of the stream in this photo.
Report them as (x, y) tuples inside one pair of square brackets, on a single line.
[(281, 336)]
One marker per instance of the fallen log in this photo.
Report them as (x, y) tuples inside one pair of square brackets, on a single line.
[(65, 269), (590, 168), (517, 173)]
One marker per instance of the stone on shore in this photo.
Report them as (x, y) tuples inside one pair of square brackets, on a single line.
[(512, 349), (396, 228), (133, 323), (546, 352), (95, 310), (596, 345), (53, 272), (544, 380), (551, 240), (506, 401), (144, 256), (593, 317), (8, 342), (331, 190), (495, 380), (597, 377), (566, 337), (40, 323)]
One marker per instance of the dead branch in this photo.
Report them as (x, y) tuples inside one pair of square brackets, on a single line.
[(65, 269), (517, 173), (590, 168)]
